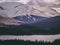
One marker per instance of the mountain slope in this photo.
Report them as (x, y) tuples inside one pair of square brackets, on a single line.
[(53, 22), (49, 26), (30, 19)]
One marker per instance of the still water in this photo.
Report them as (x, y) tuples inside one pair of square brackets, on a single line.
[(47, 38)]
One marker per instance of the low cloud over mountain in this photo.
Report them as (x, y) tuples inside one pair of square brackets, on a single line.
[(12, 9), (9, 21)]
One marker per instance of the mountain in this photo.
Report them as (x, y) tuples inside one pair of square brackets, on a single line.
[(9, 21), (30, 19), (53, 22), (34, 13), (12, 9), (48, 26)]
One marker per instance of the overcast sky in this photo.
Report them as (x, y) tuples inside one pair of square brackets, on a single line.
[(21, 1), (25, 1)]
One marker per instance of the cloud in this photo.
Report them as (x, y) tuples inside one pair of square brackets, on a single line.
[(49, 1), (11, 0), (57, 9), (52, 1), (21, 1), (24, 1), (48, 12), (2, 1)]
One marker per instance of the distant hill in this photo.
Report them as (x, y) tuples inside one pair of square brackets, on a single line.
[(53, 22)]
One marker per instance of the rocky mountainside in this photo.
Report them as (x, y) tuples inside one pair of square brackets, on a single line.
[(30, 19)]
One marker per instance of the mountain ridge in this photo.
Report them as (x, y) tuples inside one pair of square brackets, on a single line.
[(53, 22), (30, 19)]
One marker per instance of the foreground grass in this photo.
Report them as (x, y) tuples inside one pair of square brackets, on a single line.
[(22, 42)]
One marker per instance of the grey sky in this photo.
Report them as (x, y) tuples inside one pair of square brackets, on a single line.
[(21, 1), (25, 2)]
